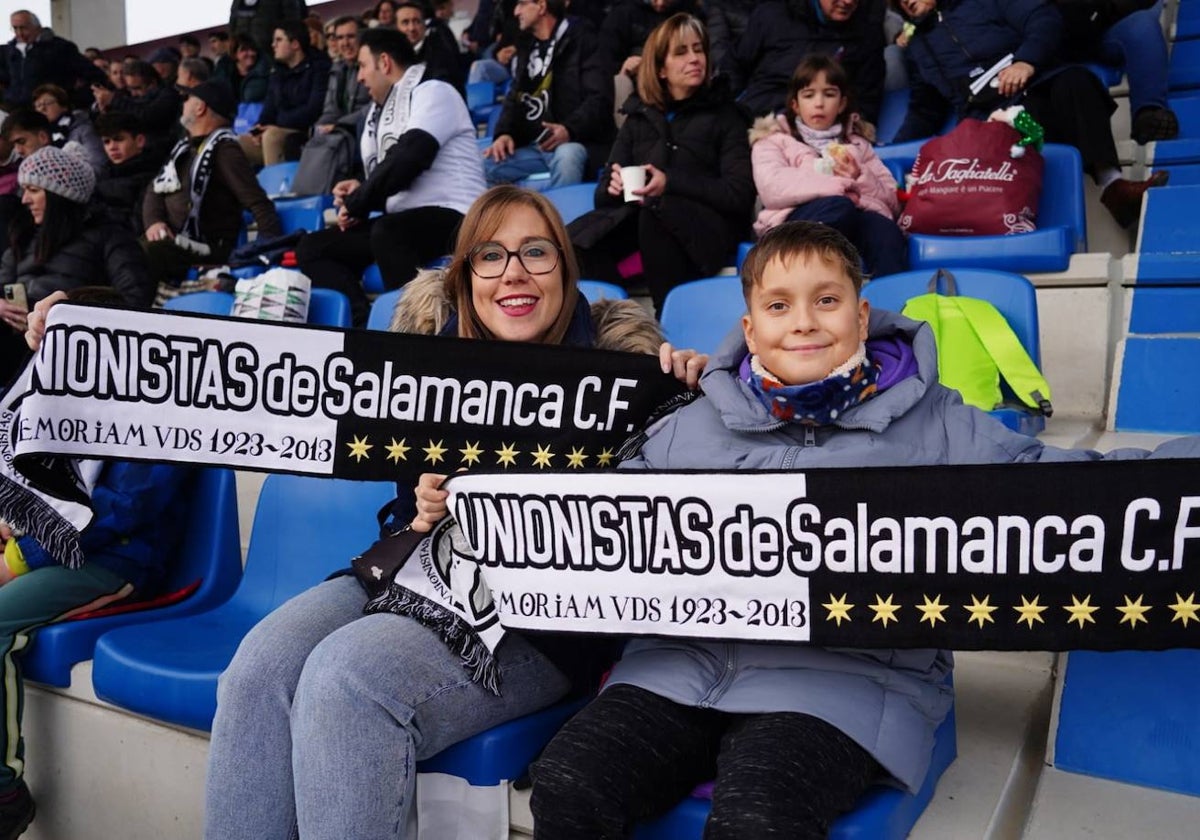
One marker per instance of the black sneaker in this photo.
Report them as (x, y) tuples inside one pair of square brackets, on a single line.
[(16, 812), (1154, 124)]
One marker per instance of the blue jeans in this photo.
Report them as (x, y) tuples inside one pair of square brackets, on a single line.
[(883, 248), (324, 711), (565, 165), (1136, 41), (487, 70)]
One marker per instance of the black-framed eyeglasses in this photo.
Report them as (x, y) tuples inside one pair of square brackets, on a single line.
[(490, 260)]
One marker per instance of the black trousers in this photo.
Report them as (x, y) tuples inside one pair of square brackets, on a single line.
[(1074, 108), (399, 242), (665, 264), (631, 755)]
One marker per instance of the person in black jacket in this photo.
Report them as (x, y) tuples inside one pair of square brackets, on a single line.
[(121, 182), (295, 97), (433, 43), (153, 100), (690, 138), (782, 32), (36, 56), (557, 116)]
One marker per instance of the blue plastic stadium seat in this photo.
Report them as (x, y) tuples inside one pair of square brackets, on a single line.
[(1062, 222), (328, 308), (1168, 249), (884, 812), (304, 529), (743, 251), (699, 314), (1185, 149), (1131, 716), (573, 201), (1012, 295), (481, 101), (1183, 70), (372, 280), (380, 316), (595, 290), (209, 303), (276, 179), (502, 753), (247, 116), (307, 213), (209, 552), (891, 114), (1108, 74)]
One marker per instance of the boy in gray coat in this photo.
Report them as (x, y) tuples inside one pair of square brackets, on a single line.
[(793, 734)]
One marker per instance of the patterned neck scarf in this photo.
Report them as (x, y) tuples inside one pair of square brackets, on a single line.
[(817, 403), (819, 138)]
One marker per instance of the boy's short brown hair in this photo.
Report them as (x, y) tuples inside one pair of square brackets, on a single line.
[(795, 239)]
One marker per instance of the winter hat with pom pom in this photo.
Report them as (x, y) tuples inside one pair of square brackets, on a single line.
[(63, 172)]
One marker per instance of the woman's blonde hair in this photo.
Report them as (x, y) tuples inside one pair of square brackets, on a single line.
[(480, 224), (651, 89)]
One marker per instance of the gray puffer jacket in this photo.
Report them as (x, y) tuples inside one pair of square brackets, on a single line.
[(888, 701)]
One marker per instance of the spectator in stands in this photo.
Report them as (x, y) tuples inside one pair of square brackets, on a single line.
[(27, 131), (385, 14), (317, 661), (189, 47), (223, 62), (165, 61), (684, 129), (345, 98), (252, 72), (1126, 34), (1069, 101), (121, 183), (810, 165), (192, 71), (493, 38), (139, 515), (62, 243), (258, 19), (782, 32), (116, 74), (727, 21), (66, 125), (557, 115), (433, 44), (294, 97), (193, 210), (422, 182), (155, 104), (10, 191), (36, 56), (623, 34), (316, 34)]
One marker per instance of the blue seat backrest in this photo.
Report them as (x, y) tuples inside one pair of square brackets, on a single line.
[(276, 179), (247, 116), (328, 308), (699, 314), (573, 201), (595, 290), (1184, 69), (480, 95), (1012, 295), (209, 552), (306, 213), (891, 114), (305, 528), (381, 310), (210, 303)]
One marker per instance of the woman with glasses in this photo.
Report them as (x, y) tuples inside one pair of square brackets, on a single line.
[(688, 138), (67, 125), (324, 711)]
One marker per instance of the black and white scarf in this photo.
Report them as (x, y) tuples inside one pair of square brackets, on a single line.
[(203, 165), (385, 123)]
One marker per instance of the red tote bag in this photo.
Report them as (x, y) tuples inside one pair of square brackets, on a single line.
[(968, 183)]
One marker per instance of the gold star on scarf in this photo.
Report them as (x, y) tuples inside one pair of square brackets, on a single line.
[(434, 452), (605, 458), (576, 458), (838, 609), (397, 451), (1081, 611), (541, 458), (507, 455), (1030, 611), (471, 454), (358, 449), (1185, 611), (931, 611), (885, 611), (980, 611), (1133, 612)]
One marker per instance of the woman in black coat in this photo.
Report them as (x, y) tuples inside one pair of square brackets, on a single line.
[(690, 137)]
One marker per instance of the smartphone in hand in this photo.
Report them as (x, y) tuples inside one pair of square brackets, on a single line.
[(543, 137), (15, 294)]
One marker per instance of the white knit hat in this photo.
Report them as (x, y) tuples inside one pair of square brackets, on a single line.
[(63, 172)]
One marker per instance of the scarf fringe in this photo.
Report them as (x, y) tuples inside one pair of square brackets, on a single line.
[(455, 633), (26, 512)]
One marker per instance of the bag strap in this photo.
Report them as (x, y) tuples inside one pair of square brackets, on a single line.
[(998, 338), (935, 283)]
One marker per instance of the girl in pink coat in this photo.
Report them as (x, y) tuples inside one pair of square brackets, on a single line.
[(809, 165)]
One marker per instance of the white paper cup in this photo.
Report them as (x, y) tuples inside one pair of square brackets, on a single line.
[(633, 178)]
